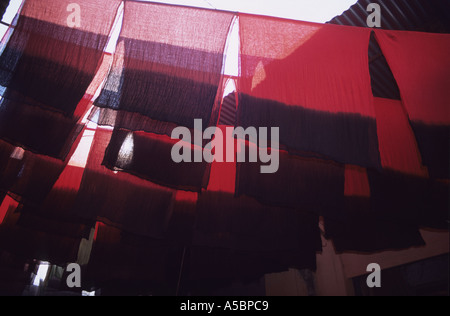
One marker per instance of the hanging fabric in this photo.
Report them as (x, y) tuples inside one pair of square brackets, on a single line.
[(410, 199), (32, 243), (140, 265), (120, 199), (149, 156), (398, 146), (162, 75), (239, 239), (46, 67), (358, 225), (421, 67), (29, 177), (312, 81), (308, 184), (225, 221), (161, 79)]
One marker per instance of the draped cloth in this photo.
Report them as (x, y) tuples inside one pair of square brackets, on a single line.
[(26, 176), (149, 156), (421, 67), (135, 263), (410, 199), (34, 241), (309, 184), (224, 221), (239, 239), (361, 224), (385, 209), (312, 81), (163, 77), (160, 219), (47, 66), (398, 146), (160, 79), (121, 199)]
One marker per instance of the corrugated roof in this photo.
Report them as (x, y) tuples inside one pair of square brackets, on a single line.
[(405, 15)]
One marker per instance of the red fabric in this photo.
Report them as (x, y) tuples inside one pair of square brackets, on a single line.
[(398, 145), (60, 200), (223, 174), (34, 244), (313, 82), (117, 198), (238, 239), (95, 15), (308, 184), (46, 67), (421, 65), (7, 204), (317, 66), (356, 182)]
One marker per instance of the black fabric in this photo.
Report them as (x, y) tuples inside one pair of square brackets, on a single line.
[(329, 135), (434, 145), (9, 168), (130, 264), (54, 83), (130, 121), (15, 274), (215, 268), (33, 244), (238, 239), (410, 200), (357, 228), (150, 158), (163, 97), (37, 176), (135, 207), (28, 127), (120, 199), (243, 224), (3, 6), (161, 75), (308, 184), (46, 68), (30, 178)]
